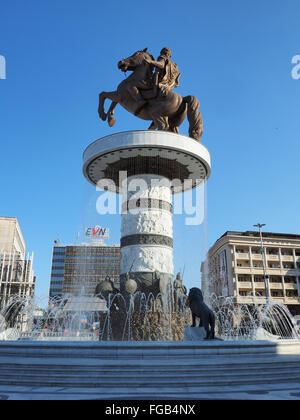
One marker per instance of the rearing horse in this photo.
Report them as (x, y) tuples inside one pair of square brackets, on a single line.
[(166, 112)]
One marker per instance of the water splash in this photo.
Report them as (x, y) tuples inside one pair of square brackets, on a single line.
[(271, 320), (140, 318)]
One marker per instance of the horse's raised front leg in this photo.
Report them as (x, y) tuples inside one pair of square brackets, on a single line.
[(113, 96), (111, 120)]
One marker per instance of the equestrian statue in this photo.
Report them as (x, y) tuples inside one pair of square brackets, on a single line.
[(148, 93)]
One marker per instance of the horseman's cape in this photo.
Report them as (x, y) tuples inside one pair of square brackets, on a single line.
[(171, 76)]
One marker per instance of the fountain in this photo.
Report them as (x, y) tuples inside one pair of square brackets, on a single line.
[(112, 317), (145, 325)]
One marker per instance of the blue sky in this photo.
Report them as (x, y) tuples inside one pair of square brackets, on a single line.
[(234, 56)]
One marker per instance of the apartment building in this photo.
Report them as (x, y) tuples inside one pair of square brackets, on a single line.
[(239, 265)]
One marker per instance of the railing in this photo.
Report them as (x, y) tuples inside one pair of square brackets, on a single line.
[(244, 284), (292, 299), (287, 258), (242, 255), (242, 269), (251, 299), (290, 286), (259, 284), (256, 257)]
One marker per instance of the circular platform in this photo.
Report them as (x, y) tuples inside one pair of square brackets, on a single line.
[(173, 156)]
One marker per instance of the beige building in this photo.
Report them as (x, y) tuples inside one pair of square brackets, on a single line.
[(16, 272), (11, 238), (238, 266)]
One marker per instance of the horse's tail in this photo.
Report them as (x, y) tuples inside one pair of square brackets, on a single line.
[(194, 117)]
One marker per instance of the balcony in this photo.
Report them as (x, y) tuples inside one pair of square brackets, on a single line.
[(290, 286), (256, 257), (259, 284), (275, 286), (277, 299), (291, 271), (242, 255), (251, 299), (274, 271), (242, 270), (287, 258), (257, 271), (244, 285), (294, 300)]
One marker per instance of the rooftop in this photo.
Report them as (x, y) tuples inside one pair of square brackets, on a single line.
[(264, 234)]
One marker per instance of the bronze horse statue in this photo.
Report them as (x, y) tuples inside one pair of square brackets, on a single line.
[(167, 111)]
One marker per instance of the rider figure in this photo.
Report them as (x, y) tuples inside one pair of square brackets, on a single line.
[(166, 74), (166, 77)]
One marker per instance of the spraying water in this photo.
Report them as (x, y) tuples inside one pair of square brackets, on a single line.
[(140, 318)]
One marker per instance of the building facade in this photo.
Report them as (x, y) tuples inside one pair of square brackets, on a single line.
[(16, 269), (78, 269), (11, 238), (238, 265)]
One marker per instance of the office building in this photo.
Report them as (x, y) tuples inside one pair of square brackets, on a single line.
[(239, 265), (78, 269)]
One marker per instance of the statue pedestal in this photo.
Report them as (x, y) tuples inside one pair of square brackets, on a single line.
[(197, 334), (146, 167), (194, 333)]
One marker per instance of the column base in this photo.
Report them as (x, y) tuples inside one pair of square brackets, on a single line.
[(146, 281)]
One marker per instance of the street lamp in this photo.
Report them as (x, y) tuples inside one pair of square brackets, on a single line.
[(259, 226)]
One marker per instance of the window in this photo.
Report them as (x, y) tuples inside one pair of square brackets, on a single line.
[(273, 252), (274, 265), (276, 293), (286, 253), (290, 280), (291, 293), (275, 279), (243, 278)]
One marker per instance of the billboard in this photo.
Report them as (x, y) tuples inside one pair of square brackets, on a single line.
[(97, 232)]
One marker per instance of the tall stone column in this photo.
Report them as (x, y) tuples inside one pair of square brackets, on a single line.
[(147, 233)]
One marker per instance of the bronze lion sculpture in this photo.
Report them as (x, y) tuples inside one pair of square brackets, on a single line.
[(200, 310)]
